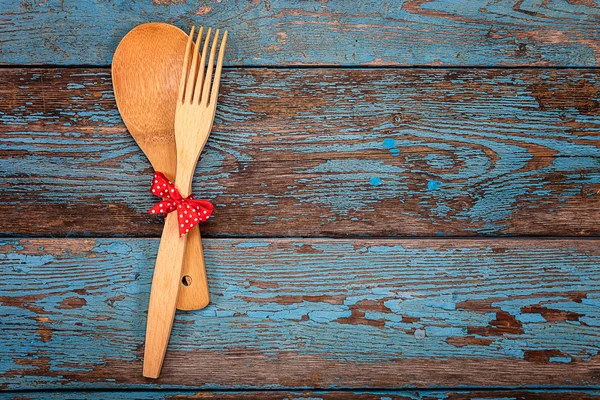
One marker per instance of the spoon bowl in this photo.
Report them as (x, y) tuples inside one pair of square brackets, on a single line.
[(146, 73)]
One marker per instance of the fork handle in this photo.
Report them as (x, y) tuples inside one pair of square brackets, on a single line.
[(193, 294), (163, 295)]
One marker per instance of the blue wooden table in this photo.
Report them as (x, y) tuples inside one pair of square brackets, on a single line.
[(407, 204)]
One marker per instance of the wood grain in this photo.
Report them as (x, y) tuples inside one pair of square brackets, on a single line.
[(297, 313), (540, 394), (317, 152), (361, 32), (327, 152)]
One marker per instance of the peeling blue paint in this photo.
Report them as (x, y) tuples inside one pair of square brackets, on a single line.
[(481, 194), (91, 41), (420, 285)]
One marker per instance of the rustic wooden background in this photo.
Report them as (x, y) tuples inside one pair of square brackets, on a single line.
[(407, 203)]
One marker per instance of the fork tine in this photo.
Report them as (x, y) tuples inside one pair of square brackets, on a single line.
[(184, 71), (192, 77), (214, 93), (200, 80), (211, 61)]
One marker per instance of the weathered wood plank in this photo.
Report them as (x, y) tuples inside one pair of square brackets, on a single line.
[(358, 32), (542, 394), (318, 152), (308, 313)]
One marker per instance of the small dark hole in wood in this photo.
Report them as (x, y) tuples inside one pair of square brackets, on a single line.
[(186, 280)]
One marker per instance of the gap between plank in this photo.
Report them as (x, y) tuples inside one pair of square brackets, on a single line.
[(347, 238), (315, 391), (325, 66)]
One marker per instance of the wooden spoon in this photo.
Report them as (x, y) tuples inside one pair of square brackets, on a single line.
[(146, 70)]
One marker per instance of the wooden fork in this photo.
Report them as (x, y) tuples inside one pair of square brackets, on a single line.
[(194, 115)]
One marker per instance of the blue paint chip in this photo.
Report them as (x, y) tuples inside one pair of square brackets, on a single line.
[(434, 185), (75, 86), (443, 305), (395, 152), (563, 360), (389, 143), (375, 181), (530, 318), (251, 244)]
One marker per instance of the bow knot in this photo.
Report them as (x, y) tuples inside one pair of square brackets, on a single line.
[(190, 212)]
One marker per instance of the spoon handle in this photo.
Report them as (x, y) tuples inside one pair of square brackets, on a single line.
[(163, 296), (193, 287)]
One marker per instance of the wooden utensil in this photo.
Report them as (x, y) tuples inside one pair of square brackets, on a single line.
[(194, 115), (146, 71)]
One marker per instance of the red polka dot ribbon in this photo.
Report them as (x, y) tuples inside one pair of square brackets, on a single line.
[(190, 212)]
